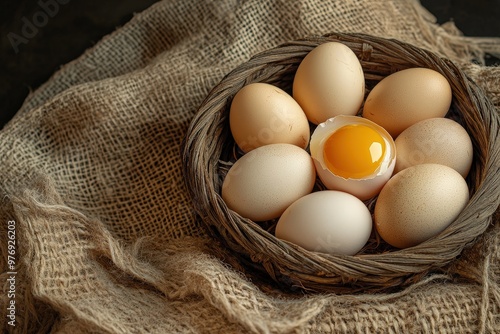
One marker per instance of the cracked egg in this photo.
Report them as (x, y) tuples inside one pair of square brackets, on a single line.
[(353, 154)]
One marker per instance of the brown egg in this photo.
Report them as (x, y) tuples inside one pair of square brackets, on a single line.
[(329, 82), (407, 97), (418, 203), (435, 140), (263, 114)]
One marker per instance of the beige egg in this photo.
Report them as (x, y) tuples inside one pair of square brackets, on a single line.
[(329, 82), (265, 181), (418, 203), (326, 221), (435, 140), (263, 114), (407, 97)]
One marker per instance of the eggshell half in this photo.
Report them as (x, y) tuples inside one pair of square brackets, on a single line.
[(363, 188)]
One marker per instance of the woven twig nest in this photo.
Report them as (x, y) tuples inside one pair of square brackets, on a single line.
[(209, 150)]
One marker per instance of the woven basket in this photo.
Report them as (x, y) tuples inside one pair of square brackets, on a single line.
[(209, 150)]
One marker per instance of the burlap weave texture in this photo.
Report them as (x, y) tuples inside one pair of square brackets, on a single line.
[(107, 241)]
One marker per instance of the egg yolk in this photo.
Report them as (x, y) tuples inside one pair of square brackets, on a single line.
[(354, 151)]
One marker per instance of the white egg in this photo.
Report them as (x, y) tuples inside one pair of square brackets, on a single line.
[(264, 182), (353, 154), (326, 221)]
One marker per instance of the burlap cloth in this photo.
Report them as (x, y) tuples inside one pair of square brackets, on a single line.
[(106, 239)]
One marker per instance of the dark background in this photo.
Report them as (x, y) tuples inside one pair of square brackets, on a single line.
[(77, 25)]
